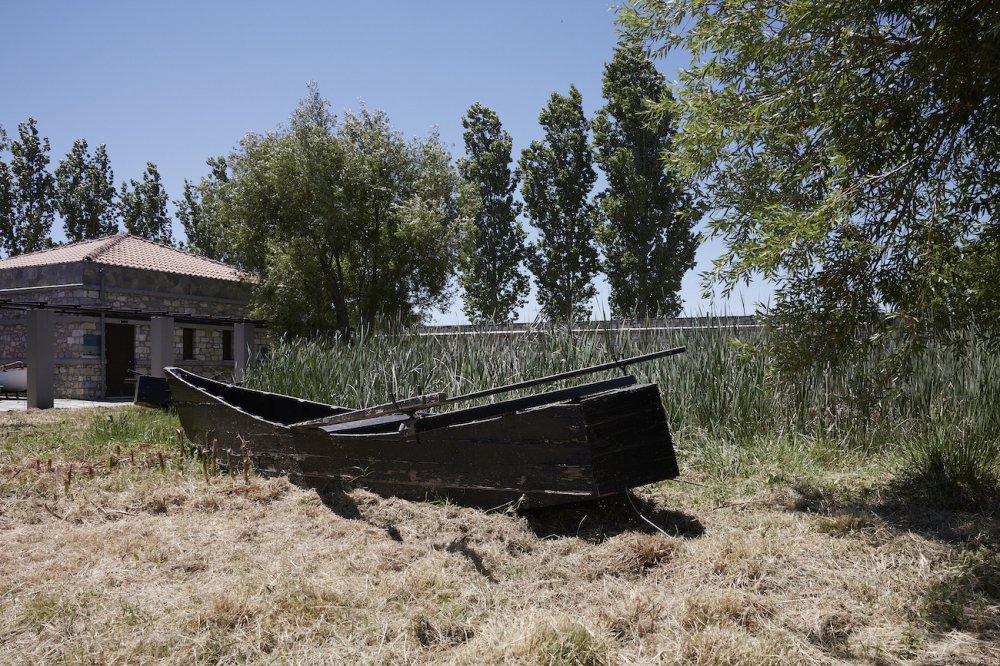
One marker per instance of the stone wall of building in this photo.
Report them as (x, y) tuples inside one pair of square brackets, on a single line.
[(13, 342), (118, 279), (126, 300), (81, 379), (79, 367)]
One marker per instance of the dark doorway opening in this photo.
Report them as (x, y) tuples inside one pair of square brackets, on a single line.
[(119, 359)]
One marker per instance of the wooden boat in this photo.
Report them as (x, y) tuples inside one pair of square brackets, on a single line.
[(554, 447)]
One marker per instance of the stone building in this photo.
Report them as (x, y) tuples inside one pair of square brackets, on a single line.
[(110, 288)]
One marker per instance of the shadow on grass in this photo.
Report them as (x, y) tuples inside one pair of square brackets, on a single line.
[(947, 518), (936, 508), (966, 595), (600, 520), (334, 497), (594, 521), (968, 598)]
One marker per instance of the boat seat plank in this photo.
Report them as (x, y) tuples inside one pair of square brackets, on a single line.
[(509, 406), (370, 424)]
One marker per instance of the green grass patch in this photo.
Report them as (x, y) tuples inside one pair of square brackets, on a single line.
[(73, 435)]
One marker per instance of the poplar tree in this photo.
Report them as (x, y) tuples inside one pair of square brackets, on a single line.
[(6, 196), (557, 177), (85, 193), (492, 244), (29, 190), (144, 207), (197, 211), (647, 214)]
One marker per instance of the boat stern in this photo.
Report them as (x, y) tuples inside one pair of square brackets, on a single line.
[(630, 439)]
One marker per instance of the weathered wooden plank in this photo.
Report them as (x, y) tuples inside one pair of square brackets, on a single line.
[(366, 426), (629, 449), (441, 474), (466, 449), (396, 407), (508, 406)]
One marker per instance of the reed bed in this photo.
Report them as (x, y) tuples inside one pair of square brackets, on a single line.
[(939, 420)]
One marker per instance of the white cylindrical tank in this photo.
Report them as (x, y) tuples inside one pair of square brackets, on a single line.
[(14, 380)]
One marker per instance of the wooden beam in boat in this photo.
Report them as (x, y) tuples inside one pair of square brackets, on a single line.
[(508, 406), (396, 407)]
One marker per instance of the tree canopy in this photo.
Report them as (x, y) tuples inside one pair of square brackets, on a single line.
[(849, 150), (144, 207), (26, 192), (558, 175), (492, 244), (647, 211), (197, 210), (343, 223), (85, 193)]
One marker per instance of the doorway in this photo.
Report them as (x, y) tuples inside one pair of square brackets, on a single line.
[(119, 359)]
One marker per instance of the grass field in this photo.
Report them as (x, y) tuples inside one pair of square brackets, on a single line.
[(798, 549)]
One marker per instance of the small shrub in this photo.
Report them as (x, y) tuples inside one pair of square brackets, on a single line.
[(955, 471)]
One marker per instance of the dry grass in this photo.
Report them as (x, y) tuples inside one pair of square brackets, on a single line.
[(143, 563)]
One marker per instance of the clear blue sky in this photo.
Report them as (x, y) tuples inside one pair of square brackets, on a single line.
[(177, 82)]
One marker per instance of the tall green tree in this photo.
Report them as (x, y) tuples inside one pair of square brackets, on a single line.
[(29, 189), (343, 223), (197, 210), (492, 244), (85, 193), (648, 211), (144, 207), (558, 175), (849, 151), (6, 196)]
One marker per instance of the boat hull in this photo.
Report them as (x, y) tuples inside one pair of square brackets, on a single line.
[(568, 450)]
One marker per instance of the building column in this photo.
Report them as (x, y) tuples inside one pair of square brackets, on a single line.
[(41, 359), (244, 345), (162, 345)]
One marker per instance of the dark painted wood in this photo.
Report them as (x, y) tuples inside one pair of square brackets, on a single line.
[(636, 450), (151, 391), (518, 404), (119, 359)]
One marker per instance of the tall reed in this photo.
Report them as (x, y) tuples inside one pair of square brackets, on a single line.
[(944, 413)]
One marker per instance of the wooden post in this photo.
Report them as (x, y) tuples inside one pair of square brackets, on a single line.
[(162, 348), (41, 359), (244, 346)]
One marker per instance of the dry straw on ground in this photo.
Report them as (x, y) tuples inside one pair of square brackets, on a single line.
[(143, 563)]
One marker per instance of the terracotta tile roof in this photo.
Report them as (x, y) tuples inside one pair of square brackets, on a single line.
[(129, 251)]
